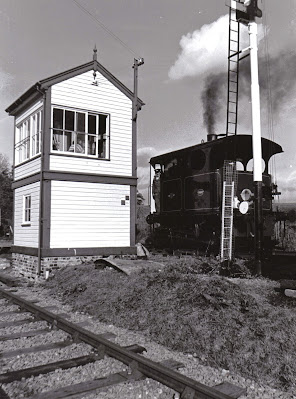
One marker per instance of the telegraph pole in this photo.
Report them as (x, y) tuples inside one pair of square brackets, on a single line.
[(135, 109)]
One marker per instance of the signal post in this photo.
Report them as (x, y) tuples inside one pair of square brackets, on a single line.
[(246, 12)]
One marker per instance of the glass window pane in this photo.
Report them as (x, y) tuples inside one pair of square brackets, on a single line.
[(58, 118), (57, 140), (102, 136), (92, 145), (28, 139), (69, 120), (38, 149), (80, 145), (80, 122), (92, 124), (68, 141)]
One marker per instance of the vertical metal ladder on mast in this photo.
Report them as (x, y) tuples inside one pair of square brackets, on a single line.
[(233, 73), (229, 187)]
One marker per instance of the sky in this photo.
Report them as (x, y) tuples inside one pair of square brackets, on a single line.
[(183, 43)]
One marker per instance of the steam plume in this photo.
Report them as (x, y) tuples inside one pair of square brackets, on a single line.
[(277, 89), (212, 100), (203, 50)]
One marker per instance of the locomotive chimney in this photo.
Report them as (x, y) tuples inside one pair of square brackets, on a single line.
[(211, 136)]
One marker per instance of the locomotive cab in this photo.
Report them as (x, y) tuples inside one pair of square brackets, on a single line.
[(187, 190)]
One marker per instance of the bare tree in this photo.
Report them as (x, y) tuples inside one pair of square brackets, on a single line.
[(6, 194)]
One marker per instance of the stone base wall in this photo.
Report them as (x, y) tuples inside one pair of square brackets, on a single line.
[(26, 265)]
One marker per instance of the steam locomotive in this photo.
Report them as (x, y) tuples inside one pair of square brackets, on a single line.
[(187, 194)]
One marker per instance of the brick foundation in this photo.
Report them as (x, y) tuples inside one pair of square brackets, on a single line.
[(26, 265)]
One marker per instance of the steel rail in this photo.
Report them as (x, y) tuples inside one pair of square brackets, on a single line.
[(187, 387)]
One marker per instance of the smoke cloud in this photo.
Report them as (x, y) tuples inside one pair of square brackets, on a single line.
[(277, 77), (202, 51), (211, 97)]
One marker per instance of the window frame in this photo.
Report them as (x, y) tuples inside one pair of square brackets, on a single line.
[(27, 210), (76, 133), (28, 137)]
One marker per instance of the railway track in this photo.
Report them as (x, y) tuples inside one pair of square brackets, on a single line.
[(53, 333)]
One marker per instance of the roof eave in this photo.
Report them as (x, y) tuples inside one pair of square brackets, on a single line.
[(44, 84), (30, 95)]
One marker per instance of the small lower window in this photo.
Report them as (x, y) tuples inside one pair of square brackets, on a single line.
[(27, 209)]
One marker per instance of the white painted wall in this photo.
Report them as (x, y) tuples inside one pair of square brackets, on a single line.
[(79, 93), (29, 168), (26, 236), (86, 215)]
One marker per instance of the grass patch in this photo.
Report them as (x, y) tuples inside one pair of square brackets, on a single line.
[(241, 324)]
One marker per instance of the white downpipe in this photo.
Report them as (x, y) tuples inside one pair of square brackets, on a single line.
[(255, 97)]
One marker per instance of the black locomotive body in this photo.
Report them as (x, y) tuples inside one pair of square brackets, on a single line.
[(187, 190)]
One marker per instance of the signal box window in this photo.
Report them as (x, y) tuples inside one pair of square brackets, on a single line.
[(27, 209), (80, 133), (28, 138)]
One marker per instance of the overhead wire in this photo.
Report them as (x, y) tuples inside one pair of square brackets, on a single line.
[(107, 30)]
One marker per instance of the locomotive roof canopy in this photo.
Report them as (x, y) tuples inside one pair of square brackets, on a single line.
[(35, 92), (237, 147)]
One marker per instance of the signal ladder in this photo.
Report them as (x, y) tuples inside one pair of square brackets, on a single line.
[(229, 187), (233, 70)]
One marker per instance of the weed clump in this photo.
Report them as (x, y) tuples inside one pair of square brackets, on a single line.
[(228, 323)]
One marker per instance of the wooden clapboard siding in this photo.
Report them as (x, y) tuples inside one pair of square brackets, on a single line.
[(79, 93), (29, 111), (27, 169), (26, 235), (89, 215)]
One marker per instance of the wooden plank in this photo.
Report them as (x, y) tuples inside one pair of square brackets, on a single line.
[(135, 348), (61, 344), (16, 323), (79, 390), (46, 368), (172, 364), (35, 349), (12, 312), (231, 390), (22, 334)]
